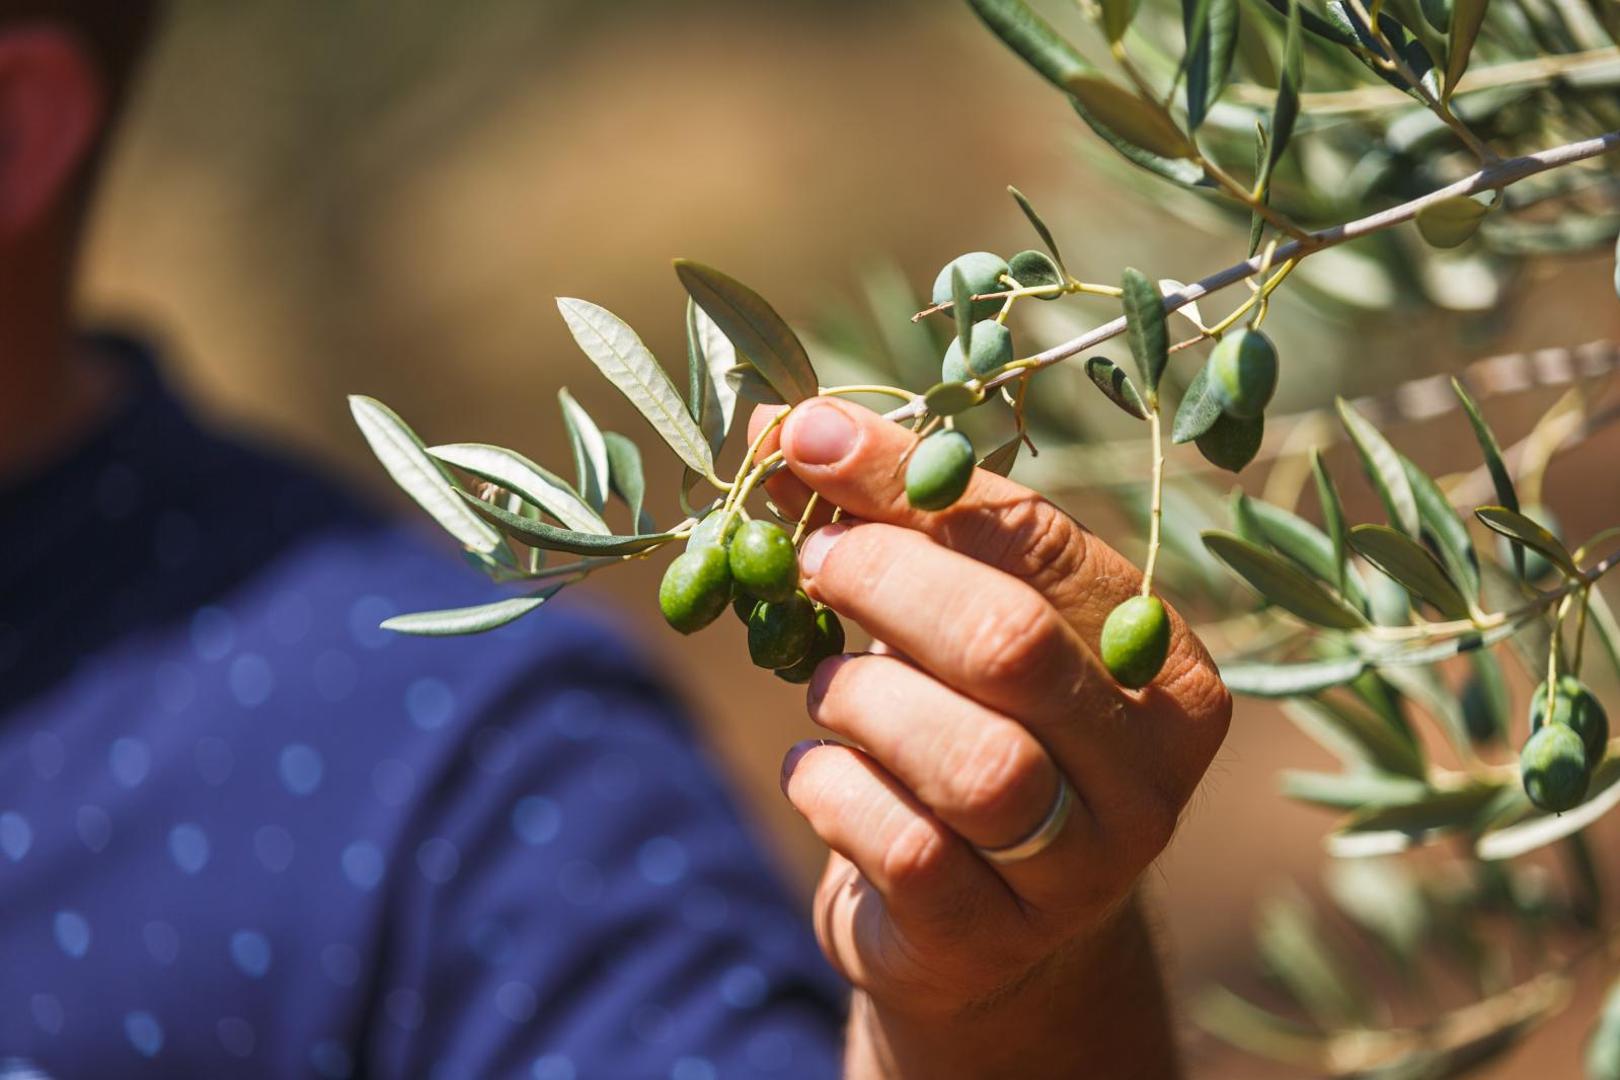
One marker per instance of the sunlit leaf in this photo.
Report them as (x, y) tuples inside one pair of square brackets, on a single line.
[(1384, 469), (1541, 829), (421, 477), (1409, 563), (1032, 38), (1313, 973), (1445, 530), (517, 474), (1285, 112), (1145, 329), (1516, 526), (1111, 379), (1144, 123), (1357, 736), (1281, 680), (1117, 16), (1332, 515), (711, 400), (1352, 790), (1307, 545), (467, 620), (1501, 479), (747, 383), (590, 451), (1314, 23), (754, 328), (539, 534), (1283, 583), (1178, 170), (1211, 29), (1389, 829), (1381, 897)]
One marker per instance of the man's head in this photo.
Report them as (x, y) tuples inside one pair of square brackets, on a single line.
[(65, 68)]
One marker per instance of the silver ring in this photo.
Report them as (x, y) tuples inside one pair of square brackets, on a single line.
[(1042, 836)]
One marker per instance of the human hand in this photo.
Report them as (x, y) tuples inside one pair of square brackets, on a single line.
[(962, 729)]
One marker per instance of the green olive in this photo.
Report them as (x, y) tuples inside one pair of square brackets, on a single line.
[(763, 561), (1554, 767), (695, 589), (1243, 371), (1231, 443), (982, 271), (828, 641), (707, 532), (939, 470), (780, 633), (992, 347), (1577, 708), (742, 603), (1135, 641)]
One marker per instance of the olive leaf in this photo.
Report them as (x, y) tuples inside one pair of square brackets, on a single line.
[(1262, 157), (1282, 583), (1383, 467), (1032, 37), (1314, 23), (619, 354), (1032, 269), (1351, 790), (422, 478), (1000, 460), (1111, 379), (590, 451), (1200, 408), (747, 382), (754, 327), (1312, 972), (1358, 737), (517, 474), (1501, 479), (1176, 169), (1285, 111), (627, 478), (1039, 225), (1485, 700), (1286, 680), (1408, 562), (1437, 13), (1145, 330), (1539, 830), (1515, 526), (1306, 545), (1467, 16), (539, 534), (468, 620), (1117, 16), (962, 309), (1450, 222), (711, 400), (1231, 443), (1139, 121), (1332, 515), (1211, 30), (1444, 530)]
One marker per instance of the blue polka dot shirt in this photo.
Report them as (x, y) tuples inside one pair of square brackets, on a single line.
[(246, 833)]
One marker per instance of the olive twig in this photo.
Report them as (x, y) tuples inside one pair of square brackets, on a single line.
[(1156, 511)]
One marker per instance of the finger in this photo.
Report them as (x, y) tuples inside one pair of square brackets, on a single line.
[(787, 491), (922, 870), (982, 774), (990, 636)]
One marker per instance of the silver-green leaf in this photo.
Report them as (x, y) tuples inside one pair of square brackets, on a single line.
[(517, 474), (754, 328), (590, 451), (467, 620)]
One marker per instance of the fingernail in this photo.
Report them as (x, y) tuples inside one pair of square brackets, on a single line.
[(819, 434), (814, 551), (796, 754)]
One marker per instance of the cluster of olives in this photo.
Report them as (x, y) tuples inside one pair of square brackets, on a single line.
[(751, 567), (1568, 737)]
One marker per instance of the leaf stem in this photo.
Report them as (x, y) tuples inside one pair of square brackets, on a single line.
[(1156, 512)]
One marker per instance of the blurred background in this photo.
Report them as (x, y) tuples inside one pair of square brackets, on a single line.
[(316, 198)]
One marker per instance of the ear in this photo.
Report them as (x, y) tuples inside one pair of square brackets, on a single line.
[(51, 108)]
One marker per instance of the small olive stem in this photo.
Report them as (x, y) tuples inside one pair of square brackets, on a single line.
[(1498, 175), (1070, 287), (738, 493), (804, 518), (1251, 199), (866, 388), (1580, 631), (1156, 511)]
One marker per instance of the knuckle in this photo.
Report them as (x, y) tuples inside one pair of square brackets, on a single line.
[(917, 856), (992, 778), (1019, 641)]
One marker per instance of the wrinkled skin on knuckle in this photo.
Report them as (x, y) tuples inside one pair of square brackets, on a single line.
[(1018, 641), (917, 858), (988, 778)]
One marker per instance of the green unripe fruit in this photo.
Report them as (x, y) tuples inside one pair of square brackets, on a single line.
[(991, 348), (982, 271), (1243, 371), (828, 641), (742, 603), (1537, 567), (763, 561), (1577, 708), (695, 589), (939, 470), (1135, 641), (1553, 763), (707, 532), (780, 633)]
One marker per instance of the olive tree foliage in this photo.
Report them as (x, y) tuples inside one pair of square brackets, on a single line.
[(1414, 139)]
